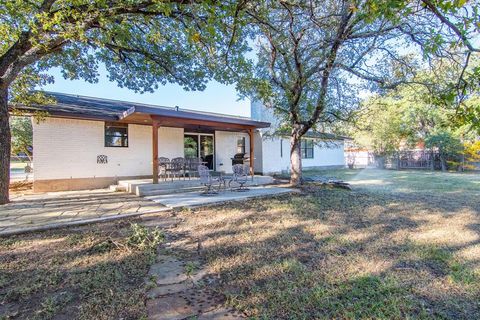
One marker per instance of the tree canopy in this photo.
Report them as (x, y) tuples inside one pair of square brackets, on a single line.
[(22, 136), (315, 59), (143, 44), (418, 114)]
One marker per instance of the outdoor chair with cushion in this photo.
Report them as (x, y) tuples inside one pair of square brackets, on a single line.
[(239, 178), (208, 181)]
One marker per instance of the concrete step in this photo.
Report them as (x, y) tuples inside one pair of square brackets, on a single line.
[(142, 188), (158, 192), (145, 187), (117, 188)]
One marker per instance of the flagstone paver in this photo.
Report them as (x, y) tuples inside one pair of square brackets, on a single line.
[(56, 209), (177, 292)]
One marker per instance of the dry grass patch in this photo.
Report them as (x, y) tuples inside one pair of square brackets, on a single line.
[(331, 253), (90, 272)]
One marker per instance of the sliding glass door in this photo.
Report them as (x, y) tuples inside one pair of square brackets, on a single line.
[(190, 145), (200, 146)]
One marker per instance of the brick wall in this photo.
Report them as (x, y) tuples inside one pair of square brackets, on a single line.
[(226, 147), (276, 155), (67, 149)]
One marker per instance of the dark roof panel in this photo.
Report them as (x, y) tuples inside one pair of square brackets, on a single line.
[(83, 107)]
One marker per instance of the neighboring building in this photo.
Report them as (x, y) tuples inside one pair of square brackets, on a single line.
[(90, 142)]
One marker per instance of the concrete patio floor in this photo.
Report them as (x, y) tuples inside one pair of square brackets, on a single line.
[(56, 209), (195, 199), (34, 212)]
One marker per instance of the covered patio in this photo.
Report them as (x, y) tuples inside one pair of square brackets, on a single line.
[(193, 122), (92, 143)]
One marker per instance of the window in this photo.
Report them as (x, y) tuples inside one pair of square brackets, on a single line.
[(116, 134), (307, 149), (241, 145)]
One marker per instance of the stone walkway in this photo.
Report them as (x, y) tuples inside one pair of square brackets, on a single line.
[(179, 286), (57, 209)]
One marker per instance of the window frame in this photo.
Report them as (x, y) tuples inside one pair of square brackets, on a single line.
[(305, 146), (124, 137), (242, 145)]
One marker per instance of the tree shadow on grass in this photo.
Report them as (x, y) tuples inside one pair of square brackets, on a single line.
[(73, 273), (330, 253)]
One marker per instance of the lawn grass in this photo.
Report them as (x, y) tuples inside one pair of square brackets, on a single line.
[(408, 247), (420, 181), (361, 254), (90, 272)]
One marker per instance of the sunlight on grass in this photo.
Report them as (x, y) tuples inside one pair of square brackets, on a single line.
[(373, 253), (405, 181)]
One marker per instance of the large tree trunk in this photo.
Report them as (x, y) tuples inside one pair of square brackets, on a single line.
[(295, 160), (443, 162), (5, 146)]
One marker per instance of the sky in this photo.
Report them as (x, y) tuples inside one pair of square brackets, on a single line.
[(215, 98)]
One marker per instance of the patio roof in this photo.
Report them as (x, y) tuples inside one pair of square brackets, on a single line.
[(91, 108)]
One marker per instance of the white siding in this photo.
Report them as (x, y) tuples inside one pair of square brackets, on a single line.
[(226, 147), (67, 148), (258, 152), (274, 159), (170, 142)]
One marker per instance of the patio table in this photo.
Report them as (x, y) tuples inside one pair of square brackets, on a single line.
[(224, 179)]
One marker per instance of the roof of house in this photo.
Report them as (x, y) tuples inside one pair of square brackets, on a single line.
[(91, 108)]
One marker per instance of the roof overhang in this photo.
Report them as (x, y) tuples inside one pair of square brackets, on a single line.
[(88, 108), (187, 119)]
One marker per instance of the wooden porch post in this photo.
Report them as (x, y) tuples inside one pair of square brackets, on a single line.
[(252, 146), (155, 126)]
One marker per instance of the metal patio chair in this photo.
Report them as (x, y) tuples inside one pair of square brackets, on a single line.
[(208, 181), (163, 167), (178, 167), (191, 166), (240, 177)]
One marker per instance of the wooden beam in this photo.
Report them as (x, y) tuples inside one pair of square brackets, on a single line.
[(155, 126), (252, 147)]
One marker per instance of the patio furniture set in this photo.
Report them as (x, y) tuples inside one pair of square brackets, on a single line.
[(178, 167), (235, 182), (191, 167)]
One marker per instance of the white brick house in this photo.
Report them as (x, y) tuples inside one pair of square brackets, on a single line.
[(92, 143)]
